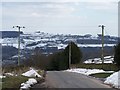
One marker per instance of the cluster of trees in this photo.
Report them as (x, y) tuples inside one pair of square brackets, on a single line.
[(60, 61), (56, 61), (117, 55)]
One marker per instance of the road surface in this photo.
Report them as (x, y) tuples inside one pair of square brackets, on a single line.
[(62, 79)]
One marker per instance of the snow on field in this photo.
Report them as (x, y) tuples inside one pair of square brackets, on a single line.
[(31, 73), (114, 80), (87, 71), (28, 83), (22, 46), (38, 45), (95, 45), (28, 41), (61, 46), (107, 59)]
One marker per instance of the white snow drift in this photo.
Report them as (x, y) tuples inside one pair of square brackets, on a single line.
[(28, 83), (31, 73), (88, 71), (114, 80), (31, 81)]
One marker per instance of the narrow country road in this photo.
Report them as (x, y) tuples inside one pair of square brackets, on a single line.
[(62, 79)]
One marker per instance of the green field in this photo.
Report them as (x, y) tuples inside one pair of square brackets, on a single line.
[(106, 67), (101, 75)]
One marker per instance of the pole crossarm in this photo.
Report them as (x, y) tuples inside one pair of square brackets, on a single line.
[(18, 27)]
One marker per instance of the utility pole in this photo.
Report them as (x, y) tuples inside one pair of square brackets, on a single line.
[(102, 54), (69, 55), (19, 27)]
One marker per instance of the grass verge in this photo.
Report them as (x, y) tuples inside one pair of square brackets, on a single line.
[(13, 82), (106, 67), (101, 75)]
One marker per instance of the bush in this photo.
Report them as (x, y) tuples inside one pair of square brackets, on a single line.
[(117, 55), (58, 62), (37, 60)]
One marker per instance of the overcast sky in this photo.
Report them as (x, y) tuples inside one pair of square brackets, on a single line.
[(62, 16)]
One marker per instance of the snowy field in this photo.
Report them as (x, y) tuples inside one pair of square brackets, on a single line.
[(41, 39), (107, 59)]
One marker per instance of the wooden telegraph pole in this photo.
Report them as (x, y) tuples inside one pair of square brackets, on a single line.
[(69, 55), (19, 27), (102, 54)]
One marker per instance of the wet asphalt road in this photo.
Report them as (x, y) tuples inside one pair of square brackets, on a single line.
[(62, 79)]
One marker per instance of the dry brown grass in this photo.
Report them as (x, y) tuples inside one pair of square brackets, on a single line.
[(15, 70)]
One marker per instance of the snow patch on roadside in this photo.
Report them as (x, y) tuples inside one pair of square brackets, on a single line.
[(28, 83), (31, 73), (113, 80), (88, 71)]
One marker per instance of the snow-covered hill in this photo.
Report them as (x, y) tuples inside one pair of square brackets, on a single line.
[(43, 40), (50, 43)]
